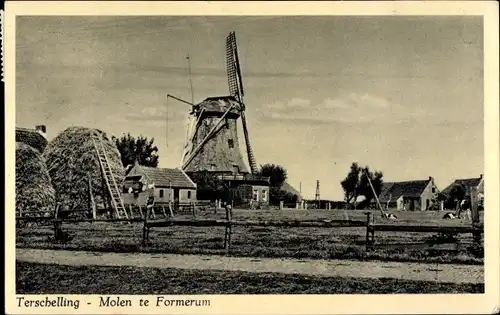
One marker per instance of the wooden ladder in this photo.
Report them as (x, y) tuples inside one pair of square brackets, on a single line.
[(109, 178)]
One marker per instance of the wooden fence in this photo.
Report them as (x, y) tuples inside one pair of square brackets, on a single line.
[(475, 229), (228, 223), (150, 222)]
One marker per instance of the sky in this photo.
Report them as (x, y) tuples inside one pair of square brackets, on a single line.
[(401, 94)]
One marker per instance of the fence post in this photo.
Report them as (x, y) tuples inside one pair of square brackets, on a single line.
[(227, 234), (281, 204), (170, 209), (476, 228), (370, 231), (56, 212), (193, 210), (57, 229), (130, 211), (145, 228)]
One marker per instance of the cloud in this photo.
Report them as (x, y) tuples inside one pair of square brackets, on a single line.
[(350, 108)]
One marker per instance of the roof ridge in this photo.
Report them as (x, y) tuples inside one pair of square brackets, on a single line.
[(408, 181), (469, 178), (142, 169)]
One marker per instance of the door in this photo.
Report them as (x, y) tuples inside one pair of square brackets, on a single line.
[(176, 197), (412, 205), (427, 204)]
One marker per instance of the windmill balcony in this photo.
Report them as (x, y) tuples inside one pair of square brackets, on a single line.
[(244, 177)]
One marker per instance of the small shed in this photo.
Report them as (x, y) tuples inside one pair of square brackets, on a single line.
[(166, 185)]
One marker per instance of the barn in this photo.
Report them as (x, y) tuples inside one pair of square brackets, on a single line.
[(35, 138), (468, 184), (415, 195)]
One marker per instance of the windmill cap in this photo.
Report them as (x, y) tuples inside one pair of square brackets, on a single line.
[(217, 106)]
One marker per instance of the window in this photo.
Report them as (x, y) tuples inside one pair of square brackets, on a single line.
[(230, 142), (256, 194), (433, 189), (264, 195), (161, 193), (189, 194)]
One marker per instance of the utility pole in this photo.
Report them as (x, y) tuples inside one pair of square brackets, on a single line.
[(317, 198)]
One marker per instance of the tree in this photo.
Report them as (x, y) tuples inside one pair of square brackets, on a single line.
[(356, 184), (277, 174), (140, 150), (350, 184)]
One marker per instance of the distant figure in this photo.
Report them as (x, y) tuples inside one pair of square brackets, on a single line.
[(404, 207)]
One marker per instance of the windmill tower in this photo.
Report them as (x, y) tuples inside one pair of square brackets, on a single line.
[(213, 144)]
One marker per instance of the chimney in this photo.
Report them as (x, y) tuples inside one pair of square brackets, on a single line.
[(41, 128), (481, 176), (430, 178)]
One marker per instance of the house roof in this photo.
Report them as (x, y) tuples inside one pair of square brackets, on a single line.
[(32, 138), (168, 177), (289, 189), (393, 190), (466, 182)]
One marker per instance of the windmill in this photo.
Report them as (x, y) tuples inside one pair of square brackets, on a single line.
[(212, 144)]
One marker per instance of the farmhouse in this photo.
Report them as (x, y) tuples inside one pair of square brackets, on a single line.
[(468, 183), (168, 184), (248, 189), (409, 195), (35, 138)]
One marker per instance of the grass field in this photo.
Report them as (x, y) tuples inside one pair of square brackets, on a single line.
[(340, 243), (52, 279)]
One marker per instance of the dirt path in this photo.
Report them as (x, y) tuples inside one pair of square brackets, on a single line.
[(327, 268)]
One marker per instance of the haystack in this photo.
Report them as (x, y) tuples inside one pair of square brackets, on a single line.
[(72, 160), (35, 195)]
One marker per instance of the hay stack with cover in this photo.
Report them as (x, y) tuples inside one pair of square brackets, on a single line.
[(35, 195), (73, 165)]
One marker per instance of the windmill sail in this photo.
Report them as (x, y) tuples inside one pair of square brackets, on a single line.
[(233, 68), (236, 89)]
